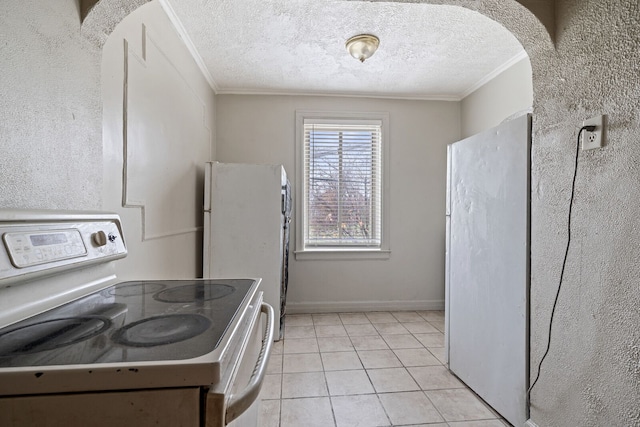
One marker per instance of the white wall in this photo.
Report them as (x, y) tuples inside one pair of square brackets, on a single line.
[(261, 129), (509, 92), (167, 138)]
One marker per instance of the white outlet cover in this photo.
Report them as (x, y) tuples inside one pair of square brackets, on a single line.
[(597, 138)]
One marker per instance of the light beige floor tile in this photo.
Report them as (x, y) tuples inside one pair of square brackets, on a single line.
[(422, 327), (354, 318), (313, 412), (269, 413), (459, 405), (381, 317), (341, 361), (409, 408), (390, 328), (300, 345), (439, 353), (307, 384), (434, 378), (299, 332), (335, 344), (372, 359), (483, 423), (330, 331), (271, 387), (348, 382), (360, 330), (326, 319), (439, 324), (416, 357), (431, 315), (431, 340), (402, 341), (425, 425), (406, 316), (303, 362), (392, 379), (359, 411), (275, 364), (278, 347), (369, 343), (298, 320)]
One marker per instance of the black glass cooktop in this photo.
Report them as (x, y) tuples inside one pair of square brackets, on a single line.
[(128, 322)]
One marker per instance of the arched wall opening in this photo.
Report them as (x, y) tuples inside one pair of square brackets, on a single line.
[(588, 68)]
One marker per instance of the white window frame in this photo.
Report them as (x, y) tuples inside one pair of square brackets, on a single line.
[(341, 252)]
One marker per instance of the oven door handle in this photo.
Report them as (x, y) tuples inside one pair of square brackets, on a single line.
[(242, 401)]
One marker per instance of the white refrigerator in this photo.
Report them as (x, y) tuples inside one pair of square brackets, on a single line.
[(247, 211), (487, 265)]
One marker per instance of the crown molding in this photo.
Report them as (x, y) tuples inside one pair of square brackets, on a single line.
[(182, 32), (492, 75), (236, 91)]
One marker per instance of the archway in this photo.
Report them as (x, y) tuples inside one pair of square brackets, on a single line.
[(573, 81)]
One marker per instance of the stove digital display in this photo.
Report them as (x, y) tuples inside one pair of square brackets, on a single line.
[(47, 239), (28, 249)]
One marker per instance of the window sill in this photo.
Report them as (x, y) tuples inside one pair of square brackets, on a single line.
[(342, 254)]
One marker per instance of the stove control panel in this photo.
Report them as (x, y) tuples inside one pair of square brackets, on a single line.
[(33, 248), (46, 245)]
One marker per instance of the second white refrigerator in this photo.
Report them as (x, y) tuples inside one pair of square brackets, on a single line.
[(247, 211)]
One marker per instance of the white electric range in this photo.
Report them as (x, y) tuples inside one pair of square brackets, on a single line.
[(79, 348)]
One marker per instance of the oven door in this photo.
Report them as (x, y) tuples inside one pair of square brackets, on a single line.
[(234, 401)]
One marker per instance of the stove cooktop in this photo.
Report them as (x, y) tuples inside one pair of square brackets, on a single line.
[(128, 322)]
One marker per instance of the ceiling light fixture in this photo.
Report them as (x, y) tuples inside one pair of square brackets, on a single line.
[(362, 46)]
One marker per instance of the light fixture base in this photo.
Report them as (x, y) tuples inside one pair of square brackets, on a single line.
[(362, 46)]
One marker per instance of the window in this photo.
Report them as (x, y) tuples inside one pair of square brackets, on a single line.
[(341, 180)]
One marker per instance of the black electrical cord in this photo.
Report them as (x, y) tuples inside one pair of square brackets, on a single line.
[(564, 262)]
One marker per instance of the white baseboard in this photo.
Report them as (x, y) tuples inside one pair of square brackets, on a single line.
[(355, 306), (530, 423)]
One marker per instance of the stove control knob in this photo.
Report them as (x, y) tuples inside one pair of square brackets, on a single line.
[(99, 238)]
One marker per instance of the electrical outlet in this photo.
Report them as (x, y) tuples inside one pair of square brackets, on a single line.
[(595, 139)]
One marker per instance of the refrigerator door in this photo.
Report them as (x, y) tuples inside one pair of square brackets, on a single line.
[(447, 250), (448, 199), (447, 285), (489, 265), (243, 234), (206, 240)]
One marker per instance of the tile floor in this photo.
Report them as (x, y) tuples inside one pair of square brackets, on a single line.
[(367, 370)]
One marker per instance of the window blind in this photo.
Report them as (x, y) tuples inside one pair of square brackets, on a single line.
[(342, 183)]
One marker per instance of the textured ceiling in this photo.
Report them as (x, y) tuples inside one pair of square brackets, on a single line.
[(297, 46)]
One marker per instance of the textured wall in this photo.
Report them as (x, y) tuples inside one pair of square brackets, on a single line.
[(592, 375), (50, 120), (104, 16)]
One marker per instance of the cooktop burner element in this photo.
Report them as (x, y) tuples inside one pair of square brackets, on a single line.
[(195, 292), (51, 334), (161, 330)]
